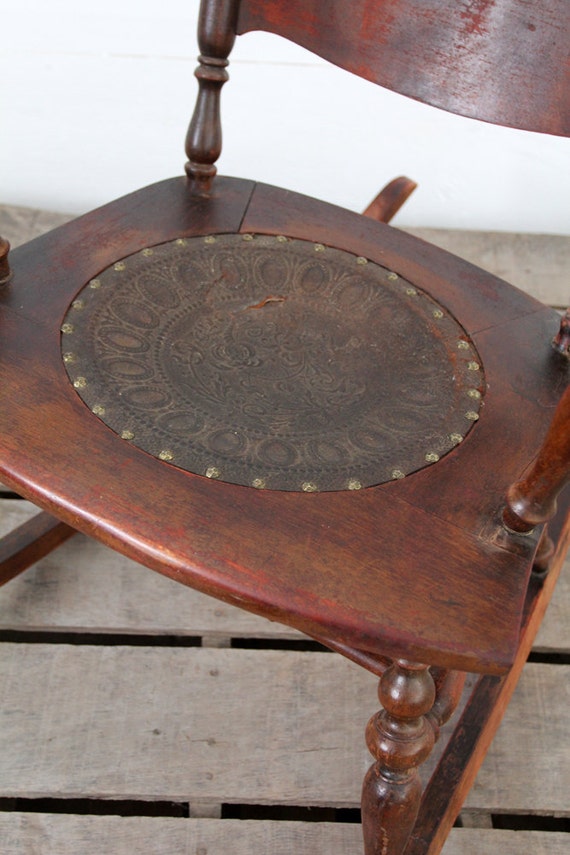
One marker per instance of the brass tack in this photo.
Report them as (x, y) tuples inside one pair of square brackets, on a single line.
[(165, 455), (120, 265), (127, 434), (247, 237), (474, 393), (319, 247), (281, 239), (210, 239), (432, 457), (309, 487), (473, 366), (462, 344), (78, 304), (354, 484), (393, 276), (456, 438), (472, 416), (259, 483), (98, 410), (95, 283), (411, 292), (147, 252), (67, 328), (437, 313), (213, 472), (80, 382), (397, 474), (181, 242), (361, 260), (68, 357)]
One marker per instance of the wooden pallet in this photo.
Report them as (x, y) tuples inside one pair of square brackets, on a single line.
[(140, 716)]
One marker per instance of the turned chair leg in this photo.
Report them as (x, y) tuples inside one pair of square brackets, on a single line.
[(400, 737)]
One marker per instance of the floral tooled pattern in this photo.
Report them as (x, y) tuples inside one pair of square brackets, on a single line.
[(272, 362)]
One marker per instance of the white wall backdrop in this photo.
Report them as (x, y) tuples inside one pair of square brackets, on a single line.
[(95, 100)]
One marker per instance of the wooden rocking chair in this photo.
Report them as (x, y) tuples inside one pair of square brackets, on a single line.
[(307, 413)]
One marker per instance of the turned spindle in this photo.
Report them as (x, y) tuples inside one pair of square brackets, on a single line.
[(532, 500), (216, 37), (5, 272), (400, 737)]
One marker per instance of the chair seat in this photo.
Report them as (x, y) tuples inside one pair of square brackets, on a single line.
[(169, 332)]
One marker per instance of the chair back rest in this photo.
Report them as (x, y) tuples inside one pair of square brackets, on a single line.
[(502, 61)]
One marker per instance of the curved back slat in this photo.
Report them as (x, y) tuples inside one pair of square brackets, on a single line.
[(502, 61)]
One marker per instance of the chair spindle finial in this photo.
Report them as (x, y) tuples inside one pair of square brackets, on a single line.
[(216, 37), (5, 272), (561, 341), (400, 738)]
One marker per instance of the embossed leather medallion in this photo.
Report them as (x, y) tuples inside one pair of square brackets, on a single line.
[(273, 363)]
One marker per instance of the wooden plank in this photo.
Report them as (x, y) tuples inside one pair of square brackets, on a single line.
[(160, 724), (24, 833), (63, 593)]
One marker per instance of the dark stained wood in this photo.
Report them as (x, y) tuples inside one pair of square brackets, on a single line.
[(156, 214), (4, 263), (475, 59), (26, 544), (390, 199), (481, 299)]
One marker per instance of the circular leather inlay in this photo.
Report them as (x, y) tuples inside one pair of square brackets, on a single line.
[(272, 362)]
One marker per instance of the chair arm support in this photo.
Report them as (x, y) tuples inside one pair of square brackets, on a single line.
[(532, 500)]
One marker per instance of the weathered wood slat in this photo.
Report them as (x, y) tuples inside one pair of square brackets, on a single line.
[(25, 833), (85, 587), (158, 723)]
